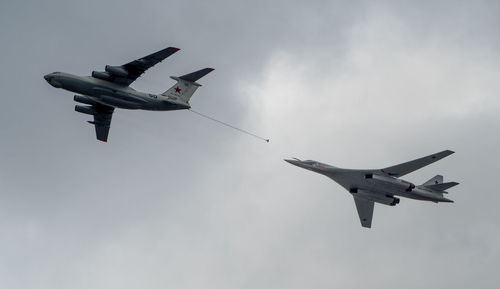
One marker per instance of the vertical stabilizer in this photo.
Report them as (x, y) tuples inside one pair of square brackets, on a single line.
[(438, 179), (437, 184), (186, 85)]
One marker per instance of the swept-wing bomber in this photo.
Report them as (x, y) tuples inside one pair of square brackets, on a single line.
[(104, 91), (383, 185)]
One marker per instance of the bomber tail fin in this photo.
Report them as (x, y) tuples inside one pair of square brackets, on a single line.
[(186, 85), (438, 179), (437, 184)]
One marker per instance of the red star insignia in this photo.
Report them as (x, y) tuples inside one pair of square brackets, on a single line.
[(177, 89)]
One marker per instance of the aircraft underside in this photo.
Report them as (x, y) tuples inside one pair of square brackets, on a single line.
[(104, 91), (118, 102)]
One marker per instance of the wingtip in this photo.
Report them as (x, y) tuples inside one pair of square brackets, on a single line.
[(175, 48)]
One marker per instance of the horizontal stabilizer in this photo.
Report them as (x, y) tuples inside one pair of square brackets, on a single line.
[(441, 187), (194, 76)]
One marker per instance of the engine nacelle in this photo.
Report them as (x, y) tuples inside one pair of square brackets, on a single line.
[(116, 70), (83, 99), (85, 109), (391, 183), (395, 201), (101, 75), (378, 198)]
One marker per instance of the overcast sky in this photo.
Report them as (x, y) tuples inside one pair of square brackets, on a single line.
[(176, 201)]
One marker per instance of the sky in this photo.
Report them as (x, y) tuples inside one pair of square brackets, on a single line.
[(176, 201)]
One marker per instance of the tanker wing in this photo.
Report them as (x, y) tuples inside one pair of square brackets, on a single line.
[(102, 115), (127, 73)]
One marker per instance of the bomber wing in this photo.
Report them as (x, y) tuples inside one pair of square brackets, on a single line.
[(408, 167), (365, 211), (128, 73)]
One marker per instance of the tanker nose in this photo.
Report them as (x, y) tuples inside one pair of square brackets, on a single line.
[(52, 80)]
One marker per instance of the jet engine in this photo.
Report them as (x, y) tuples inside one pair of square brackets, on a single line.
[(378, 198), (395, 201), (101, 75), (391, 183), (85, 109), (116, 70), (83, 99)]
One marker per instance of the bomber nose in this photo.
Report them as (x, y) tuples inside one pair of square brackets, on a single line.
[(293, 162), (298, 163), (47, 77)]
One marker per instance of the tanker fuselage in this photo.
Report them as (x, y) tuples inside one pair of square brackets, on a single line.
[(112, 94)]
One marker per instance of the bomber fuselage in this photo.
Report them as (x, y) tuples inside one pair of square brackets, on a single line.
[(371, 181)]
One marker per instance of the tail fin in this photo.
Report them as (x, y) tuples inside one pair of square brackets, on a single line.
[(438, 179), (186, 85), (437, 184)]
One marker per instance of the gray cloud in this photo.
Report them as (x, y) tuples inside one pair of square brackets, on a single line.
[(174, 200)]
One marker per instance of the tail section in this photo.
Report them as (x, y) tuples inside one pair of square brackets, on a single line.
[(437, 184), (186, 85), (442, 187), (434, 181)]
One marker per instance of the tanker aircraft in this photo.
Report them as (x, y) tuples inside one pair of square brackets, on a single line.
[(372, 186), (104, 91)]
